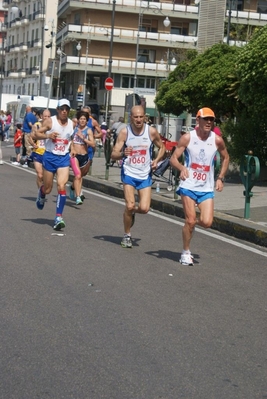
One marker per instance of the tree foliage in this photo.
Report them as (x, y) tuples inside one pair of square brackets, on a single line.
[(233, 82), (200, 81)]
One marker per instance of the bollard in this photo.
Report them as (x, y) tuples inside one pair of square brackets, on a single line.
[(249, 171), (108, 147)]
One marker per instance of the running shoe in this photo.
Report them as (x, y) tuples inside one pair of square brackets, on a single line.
[(15, 163), (126, 242), (187, 260), (40, 201), (79, 201), (133, 219), (72, 193), (82, 196), (59, 223), (25, 165)]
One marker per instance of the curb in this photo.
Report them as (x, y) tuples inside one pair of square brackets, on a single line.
[(229, 225)]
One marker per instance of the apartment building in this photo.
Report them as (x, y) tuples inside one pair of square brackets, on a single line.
[(31, 29), (135, 42), (2, 46)]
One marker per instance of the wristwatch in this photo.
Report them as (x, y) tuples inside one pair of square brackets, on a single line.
[(221, 178)]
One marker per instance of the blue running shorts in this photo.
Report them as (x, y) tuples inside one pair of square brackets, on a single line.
[(52, 162), (37, 157), (197, 196), (138, 184), (82, 159), (91, 153)]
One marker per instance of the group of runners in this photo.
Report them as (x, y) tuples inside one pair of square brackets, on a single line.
[(69, 142)]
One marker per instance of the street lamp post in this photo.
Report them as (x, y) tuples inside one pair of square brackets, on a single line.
[(229, 20), (86, 61), (59, 53), (108, 94), (166, 23), (42, 51)]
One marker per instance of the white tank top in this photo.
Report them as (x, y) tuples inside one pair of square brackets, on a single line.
[(199, 160), (59, 146), (138, 165)]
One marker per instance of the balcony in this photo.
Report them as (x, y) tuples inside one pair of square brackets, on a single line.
[(24, 21), (101, 33), (34, 71), (22, 73), (13, 73), (5, 4), (23, 47), (70, 63), (3, 27)]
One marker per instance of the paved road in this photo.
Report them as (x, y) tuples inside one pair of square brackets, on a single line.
[(83, 318)]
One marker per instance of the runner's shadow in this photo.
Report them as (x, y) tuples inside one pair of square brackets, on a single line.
[(33, 199), (116, 240), (47, 222), (163, 254)]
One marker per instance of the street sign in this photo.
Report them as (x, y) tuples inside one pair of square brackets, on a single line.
[(109, 84)]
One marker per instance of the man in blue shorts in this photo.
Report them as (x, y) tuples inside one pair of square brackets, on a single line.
[(134, 147), (57, 132), (197, 176)]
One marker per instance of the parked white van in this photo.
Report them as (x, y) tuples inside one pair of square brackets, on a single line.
[(18, 106)]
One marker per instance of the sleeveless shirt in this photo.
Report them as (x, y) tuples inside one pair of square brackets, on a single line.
[(199, 160), (40, 143), (76, 139), (138, 165), (59, 146)]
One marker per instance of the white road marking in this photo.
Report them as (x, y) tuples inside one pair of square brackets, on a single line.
[(170, 220), (202, 231)]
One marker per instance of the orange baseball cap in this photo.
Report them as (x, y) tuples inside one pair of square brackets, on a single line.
[(204, 112)]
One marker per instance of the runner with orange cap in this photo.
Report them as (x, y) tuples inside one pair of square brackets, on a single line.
[(197, 176)]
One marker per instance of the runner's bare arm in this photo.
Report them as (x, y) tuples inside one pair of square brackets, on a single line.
[(117, 149), (174, 160)]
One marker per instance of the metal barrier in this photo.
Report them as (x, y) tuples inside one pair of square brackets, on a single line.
[(249, 172)]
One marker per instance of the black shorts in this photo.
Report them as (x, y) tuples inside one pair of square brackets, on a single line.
[(82, 159)]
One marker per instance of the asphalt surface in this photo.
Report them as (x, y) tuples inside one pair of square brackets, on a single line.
[(83, 318), (229, 216)]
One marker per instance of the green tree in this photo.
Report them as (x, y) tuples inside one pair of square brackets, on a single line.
[(202, 80)]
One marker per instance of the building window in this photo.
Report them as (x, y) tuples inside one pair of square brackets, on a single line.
[(149, 25), (145, 55), (77, 19), (262, 7), (127, 82)]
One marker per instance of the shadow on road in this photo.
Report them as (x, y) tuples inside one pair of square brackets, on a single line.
[(116, 240)]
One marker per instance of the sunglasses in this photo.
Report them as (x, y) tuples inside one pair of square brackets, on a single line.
[(209, 118), (64, 108)]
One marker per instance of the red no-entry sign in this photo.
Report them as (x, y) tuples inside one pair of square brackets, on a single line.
[(109, 84)]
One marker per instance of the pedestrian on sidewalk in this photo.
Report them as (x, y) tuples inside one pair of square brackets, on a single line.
[(7, 125), (17, 143), (197, 176), (57, 132), (29, 120), (134, 147)]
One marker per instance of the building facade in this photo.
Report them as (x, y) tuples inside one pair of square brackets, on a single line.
[(137, 43), (30, 42)]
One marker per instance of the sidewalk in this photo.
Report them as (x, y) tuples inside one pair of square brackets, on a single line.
[(229, 204)]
